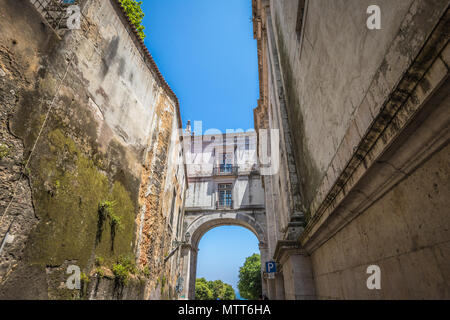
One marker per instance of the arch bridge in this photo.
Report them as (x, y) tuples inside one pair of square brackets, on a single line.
[(224, 188), (200, 222)]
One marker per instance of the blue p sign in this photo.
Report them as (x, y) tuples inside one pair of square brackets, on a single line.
[(271, 267)]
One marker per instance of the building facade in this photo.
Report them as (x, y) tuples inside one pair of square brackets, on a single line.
[(224, 189), (363, 120)]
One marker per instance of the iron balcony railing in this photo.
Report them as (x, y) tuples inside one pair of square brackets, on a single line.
[(224, 204), (54, 11), (225, 169)]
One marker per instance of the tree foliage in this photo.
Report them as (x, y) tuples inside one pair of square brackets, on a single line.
[(202, 291), (249, 284), (135, 13), (213, 290)]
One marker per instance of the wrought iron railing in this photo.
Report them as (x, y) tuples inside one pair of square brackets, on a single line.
[(54, 11), (225, 169), (224, 204)]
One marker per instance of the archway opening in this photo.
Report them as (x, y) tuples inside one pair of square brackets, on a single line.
[(222, 251), (200, 223)]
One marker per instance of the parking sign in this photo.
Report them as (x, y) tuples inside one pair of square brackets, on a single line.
[(271, 267)]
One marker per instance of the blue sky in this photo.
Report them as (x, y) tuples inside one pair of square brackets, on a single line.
[(206, 52), (222, 251)]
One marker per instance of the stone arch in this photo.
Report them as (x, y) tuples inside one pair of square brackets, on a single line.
[(206, 222), (202, 223)]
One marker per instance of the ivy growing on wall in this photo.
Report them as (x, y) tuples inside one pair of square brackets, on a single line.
[(135, 13)]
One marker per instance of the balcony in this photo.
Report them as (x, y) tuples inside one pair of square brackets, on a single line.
[(55, 11), (224, 204), (225, 170)]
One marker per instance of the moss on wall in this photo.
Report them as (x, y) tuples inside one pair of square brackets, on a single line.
[(68, 189), (70, 177), (4, 150)]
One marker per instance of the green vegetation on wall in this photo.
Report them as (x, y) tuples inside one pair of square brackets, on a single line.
[(122, 270), (69, 193), (4, 150), (135, 13)]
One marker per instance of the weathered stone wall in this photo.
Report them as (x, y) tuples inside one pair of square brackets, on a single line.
[(339, 57), (366, 115), (84, 110), (162, 194), (405, 233), (395, 216)]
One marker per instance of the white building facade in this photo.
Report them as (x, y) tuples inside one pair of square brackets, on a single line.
[(224, 189)]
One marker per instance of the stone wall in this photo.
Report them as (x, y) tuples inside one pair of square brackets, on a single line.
[(405, 233), (81, 118), (365, 113), (162, 194)]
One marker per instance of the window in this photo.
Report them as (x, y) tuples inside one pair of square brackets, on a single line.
[(225, 195), (247, 143), (226, 165)]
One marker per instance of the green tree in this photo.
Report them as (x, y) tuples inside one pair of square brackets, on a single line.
[(249, 284), (202, 291), (213, 290), (216, 287), (228, 293), (135, 13)]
